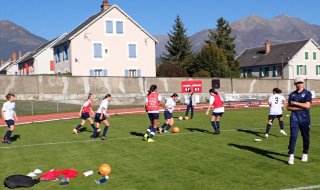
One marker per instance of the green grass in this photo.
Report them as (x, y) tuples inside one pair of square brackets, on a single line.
[(189, 160)]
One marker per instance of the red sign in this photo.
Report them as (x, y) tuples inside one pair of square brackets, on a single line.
[(193, 85)]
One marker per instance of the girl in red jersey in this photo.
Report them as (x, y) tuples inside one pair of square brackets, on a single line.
[(84, 113), (153, 100), (216, 102)]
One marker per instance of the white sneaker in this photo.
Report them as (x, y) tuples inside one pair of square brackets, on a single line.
[(266, 135), (75, 131), (291, 159), (304, 158), (283, 132)]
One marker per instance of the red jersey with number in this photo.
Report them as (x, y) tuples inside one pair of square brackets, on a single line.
[(87, 107), (153, 102), (218, 102)]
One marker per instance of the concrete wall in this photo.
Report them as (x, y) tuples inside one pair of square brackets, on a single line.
[(132, 90)]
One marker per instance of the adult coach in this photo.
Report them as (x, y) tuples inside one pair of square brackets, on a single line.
[(299, 104), (191, 102)]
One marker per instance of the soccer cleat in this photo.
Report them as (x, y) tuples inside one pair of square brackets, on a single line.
[(304, 158), (75, 131), (7, 141), (266, 135), (151, 140), (145, 137), (98, 130), (283, 132), (166, 131), (103, 138), (93, 139), (291, 159)]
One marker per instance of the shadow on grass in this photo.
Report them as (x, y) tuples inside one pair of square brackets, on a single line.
[(137, 134), (198, 130), (256, 133), (15, 138), (84, 129), (265, 153)]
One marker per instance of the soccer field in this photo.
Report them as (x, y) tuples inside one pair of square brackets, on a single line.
[(192, 159)]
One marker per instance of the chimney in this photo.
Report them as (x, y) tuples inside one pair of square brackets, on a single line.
[(1, 63), (20, 54), (105, 5), (267, 47), (14, 56)]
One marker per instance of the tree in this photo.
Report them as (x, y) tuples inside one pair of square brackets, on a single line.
[(221, 37), (171, 70), (211, 60), (178, 46)]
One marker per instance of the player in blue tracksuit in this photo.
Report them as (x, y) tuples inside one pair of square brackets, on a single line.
[(299, 104)]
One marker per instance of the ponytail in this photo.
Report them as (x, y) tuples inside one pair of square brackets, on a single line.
[(152, 89)]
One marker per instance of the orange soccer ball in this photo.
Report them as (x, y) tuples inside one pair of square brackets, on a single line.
[(175, 130), (105, 169)]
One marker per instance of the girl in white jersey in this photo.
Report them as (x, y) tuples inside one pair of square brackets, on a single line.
[(101, 116), (171, 103), (276, 102), (9, 116)]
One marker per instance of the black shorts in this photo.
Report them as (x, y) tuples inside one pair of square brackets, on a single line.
[(85, 116), (153, 116), (10, 122), (97, 118), (167, 115), (273, 117), (217, 114)]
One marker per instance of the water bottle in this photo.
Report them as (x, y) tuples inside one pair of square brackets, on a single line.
[(88, 173), (103, 180)]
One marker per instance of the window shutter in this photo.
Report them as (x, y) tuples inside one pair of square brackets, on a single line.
[(119, 27), (105, 72), (305, 69), (97, 48), (109, 27), (132, 51), (314, 55), (139, 73), (92, 73), (297, 69), (306, 55), (274, 71), (126, 73), (317, 69)]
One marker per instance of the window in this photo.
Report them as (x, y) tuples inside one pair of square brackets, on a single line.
[(57, 55), (264, 71), (306, 55), (65, 53), (301, 69), (244, 73), (109, 27), (132, 72), (97, 50), (277, 71), (314, 55), (119, 27), (249, 72), (317, 69), (132, 51), (98, 72)]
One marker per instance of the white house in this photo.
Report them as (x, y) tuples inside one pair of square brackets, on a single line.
[(40, 61), (110, 43), (10, 67), (300, 58)]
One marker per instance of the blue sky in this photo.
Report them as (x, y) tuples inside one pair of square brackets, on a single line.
[(50, 18)]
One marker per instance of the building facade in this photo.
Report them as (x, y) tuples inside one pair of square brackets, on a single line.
[(109, 43), (287, 61)]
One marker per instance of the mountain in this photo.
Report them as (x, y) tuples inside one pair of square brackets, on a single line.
[(253, 31), (14, 38)]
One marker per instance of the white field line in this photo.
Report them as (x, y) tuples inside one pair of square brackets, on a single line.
[(110, 139), (304, 188), (114, 139)]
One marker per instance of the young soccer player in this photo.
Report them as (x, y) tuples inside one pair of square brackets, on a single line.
[(9, 116), (85, 111), (153, 100), (276, 103), (171, 103), (216, 102), (101, 116)]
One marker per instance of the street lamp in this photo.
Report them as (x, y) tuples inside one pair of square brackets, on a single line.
[(282, 54)]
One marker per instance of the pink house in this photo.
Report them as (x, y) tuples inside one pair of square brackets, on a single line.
[(109, 43)]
